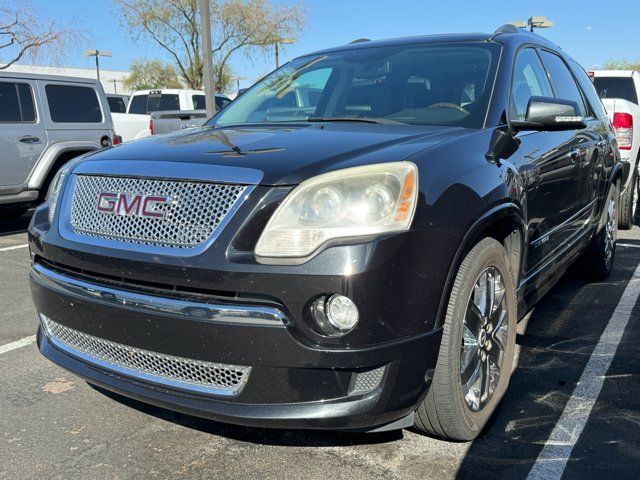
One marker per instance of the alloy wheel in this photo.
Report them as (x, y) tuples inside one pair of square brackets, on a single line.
[(484, 339), (611, 230)]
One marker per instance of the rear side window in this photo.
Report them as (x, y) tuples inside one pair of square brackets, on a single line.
[(529, 80), (162, 103), (71, 104), (198, 102), (16, 103), (588, 89), (116, 105), (222, 102), (562, 80), (616, 87), (138, 104)]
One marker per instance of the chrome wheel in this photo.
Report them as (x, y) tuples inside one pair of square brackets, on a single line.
[(484, 339), (611, 230)]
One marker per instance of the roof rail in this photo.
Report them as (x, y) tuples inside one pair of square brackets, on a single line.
[(360, 40), (506, 28)]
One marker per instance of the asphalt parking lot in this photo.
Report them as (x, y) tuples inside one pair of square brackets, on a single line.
[(555, 421)]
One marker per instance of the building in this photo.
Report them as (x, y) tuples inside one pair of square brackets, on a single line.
[(112, 80)]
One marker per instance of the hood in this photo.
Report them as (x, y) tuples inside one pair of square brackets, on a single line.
[(287, 154)]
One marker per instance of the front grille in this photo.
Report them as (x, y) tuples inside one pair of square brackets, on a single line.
[(192, 213), (164, 369)]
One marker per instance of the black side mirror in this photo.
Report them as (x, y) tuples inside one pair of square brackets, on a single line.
[(550, 114)]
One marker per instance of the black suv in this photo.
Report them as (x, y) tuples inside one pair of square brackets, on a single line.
[(349, 245)]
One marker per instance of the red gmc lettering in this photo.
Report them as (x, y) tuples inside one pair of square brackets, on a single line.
[(107, 202), (150, 202), (129, 206)]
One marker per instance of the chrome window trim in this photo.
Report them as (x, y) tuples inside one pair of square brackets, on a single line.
[(246, 315), (164, 171)]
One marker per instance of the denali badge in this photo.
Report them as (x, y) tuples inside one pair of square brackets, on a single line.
[(135, 205)]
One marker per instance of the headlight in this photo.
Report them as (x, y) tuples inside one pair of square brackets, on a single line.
[(353, 202), (53, 195)]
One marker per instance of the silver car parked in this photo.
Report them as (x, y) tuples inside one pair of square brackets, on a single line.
[(45, 121)]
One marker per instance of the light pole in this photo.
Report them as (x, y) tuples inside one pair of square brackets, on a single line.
[(97, 54), (283, 41), (533, 22), (207, 59)]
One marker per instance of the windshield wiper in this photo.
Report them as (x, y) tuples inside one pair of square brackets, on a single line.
[(384, 121)]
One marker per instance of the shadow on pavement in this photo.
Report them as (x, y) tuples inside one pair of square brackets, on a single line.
[(561, 335), (12, 225)]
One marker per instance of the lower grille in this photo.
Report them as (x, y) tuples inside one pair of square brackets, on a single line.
[(169, 370)]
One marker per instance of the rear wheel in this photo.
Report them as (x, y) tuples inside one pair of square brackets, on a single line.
[(598, 258), (476, 353), (628, 203)]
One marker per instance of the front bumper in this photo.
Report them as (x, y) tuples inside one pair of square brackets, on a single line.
[(291, 384)]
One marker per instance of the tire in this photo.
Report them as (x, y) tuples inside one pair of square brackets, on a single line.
[(628, 202), (449, 410), (597, 260), (12, 212)]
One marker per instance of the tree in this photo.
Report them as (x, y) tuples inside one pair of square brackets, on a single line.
[(26, 35), (238, 26), (622, 65), (146, 75)]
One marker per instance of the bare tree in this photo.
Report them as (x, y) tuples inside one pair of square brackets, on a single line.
[(238, 26), (26, 35)]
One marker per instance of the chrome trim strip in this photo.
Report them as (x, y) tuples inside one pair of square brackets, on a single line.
[(539, 241), (205, 312), (138, 374), (160, 170)]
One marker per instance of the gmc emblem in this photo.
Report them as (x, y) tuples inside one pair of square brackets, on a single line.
[(133, 205)]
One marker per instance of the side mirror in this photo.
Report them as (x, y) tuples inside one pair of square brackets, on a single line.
[(548, 114)]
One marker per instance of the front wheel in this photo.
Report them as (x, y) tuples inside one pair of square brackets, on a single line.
[(478, 342)]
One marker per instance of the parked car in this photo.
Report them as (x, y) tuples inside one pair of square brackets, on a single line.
[(172, 120), (46, 121), (117, 103), (136, 123), (620, 91), (359, 265)]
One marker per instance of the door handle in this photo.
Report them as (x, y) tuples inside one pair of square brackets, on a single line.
[(577, 155), (29, 139)]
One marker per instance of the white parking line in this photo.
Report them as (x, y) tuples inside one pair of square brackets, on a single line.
[(553, 458), (15, 247), (628, 245), (23, 342)]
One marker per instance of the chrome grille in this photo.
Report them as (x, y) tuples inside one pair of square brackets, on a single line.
[(191, 215), (164, 369)]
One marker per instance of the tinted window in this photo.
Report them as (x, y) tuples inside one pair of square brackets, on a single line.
[(198, 102), (138, 104), (116, 105), (162, 103), (616, 87), (588, 89), (69, 104), (222, 102), (439, 84), (562, 80), (16, 103), (529, 80)]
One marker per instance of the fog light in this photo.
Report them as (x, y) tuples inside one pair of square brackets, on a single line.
[(342, 313)]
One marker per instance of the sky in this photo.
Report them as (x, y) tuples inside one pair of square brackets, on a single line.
[(591, 31)]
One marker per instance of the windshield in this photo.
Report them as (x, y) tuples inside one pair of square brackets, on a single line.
[(616, 87), (439, 84)]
